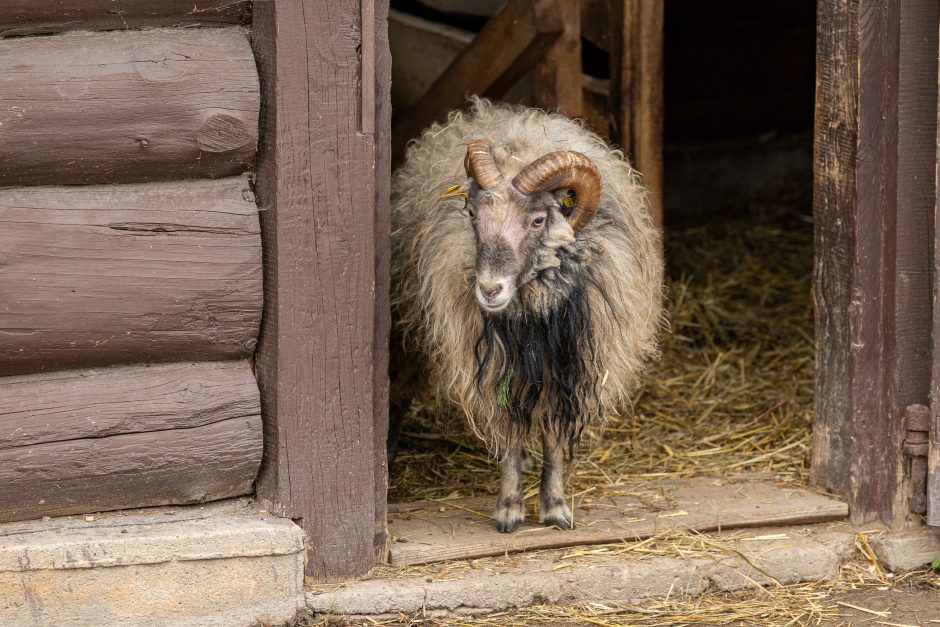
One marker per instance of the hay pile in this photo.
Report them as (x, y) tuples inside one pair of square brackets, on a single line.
[(731, 394)]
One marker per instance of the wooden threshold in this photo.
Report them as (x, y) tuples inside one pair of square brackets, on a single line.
[(434, 531)]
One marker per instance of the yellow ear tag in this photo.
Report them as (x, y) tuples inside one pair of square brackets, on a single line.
[(453, 192), (568, 202)]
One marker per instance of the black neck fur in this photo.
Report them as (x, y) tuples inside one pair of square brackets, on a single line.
[(545, 354)]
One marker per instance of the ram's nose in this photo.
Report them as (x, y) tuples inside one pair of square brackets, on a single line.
[(491, 289), (494, 295)]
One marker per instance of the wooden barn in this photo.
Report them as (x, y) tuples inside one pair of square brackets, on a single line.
[(195, 246)]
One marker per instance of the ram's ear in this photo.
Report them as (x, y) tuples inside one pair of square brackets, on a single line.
[(565, 200)]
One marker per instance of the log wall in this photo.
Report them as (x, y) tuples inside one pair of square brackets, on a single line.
[(29, 17), (81, 441), (130, 256), (109, 274), (119, 107)]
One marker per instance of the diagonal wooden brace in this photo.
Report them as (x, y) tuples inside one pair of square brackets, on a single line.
[(510, 43)]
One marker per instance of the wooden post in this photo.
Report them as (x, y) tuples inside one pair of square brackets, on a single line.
[(872, 247), (319, 174), (640, 110), (556, 80)]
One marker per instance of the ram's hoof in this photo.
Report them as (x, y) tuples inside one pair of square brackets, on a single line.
[(554, 512), (509, 513)]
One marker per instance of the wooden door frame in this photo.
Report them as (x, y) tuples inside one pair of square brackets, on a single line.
[(874, 182), (323, 190)]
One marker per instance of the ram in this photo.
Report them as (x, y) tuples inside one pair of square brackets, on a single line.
[(527, 285)]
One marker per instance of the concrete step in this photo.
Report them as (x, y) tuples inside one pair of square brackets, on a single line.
[(733, 560), (226, 563)]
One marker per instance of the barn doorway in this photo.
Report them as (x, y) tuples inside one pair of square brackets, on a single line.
[(732, 396)]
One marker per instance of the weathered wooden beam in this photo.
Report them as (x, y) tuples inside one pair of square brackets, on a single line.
[(933, 457), (512, 41), (29, 17), (81, 441), (317, 184), (422, 50), (916, 195), (875, 110), (97, 275), (382, 238), (127, 106), (478, 8), (556, 79), (640, 98)]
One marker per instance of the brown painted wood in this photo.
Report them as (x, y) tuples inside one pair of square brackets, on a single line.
[(383, 259), (874, 115), (640, 102), (29, 17), (443, 530), (556, 79), (127, 106), (94, 403), (916, 194), (510, 43), (81, 441), (97, 275), (933, 455), (317, 181)]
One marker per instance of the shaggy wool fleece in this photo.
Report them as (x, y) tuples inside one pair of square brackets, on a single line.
[(616, 258)]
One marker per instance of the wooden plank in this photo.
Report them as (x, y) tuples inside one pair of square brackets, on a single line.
[(640, 103), (82, 441), (127, 106), (834, 202), (382, 238), (422, 50), (317, 184), (916, 194), (97, 275), (556, 79), (443, 530), (28, 17), (512, 41)]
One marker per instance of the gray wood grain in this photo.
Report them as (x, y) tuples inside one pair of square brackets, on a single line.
[(98, 275), (111, 439), (29, 17), (127, 106)]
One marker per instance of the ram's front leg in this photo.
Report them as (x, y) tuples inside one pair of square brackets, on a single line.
[(510, 508), (553, 510)]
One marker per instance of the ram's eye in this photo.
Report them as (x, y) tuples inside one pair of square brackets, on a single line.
[(538, 222), (471, 213)]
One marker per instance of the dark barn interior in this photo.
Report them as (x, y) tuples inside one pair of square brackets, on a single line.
[(733, 392)]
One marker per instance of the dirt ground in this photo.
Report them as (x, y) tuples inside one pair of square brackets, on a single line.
[(895, 606)]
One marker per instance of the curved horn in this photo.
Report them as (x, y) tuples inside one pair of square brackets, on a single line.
[(565, 169), (480, 164)]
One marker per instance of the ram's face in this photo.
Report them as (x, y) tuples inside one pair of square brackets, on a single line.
[(510, 229), (514, 218)]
